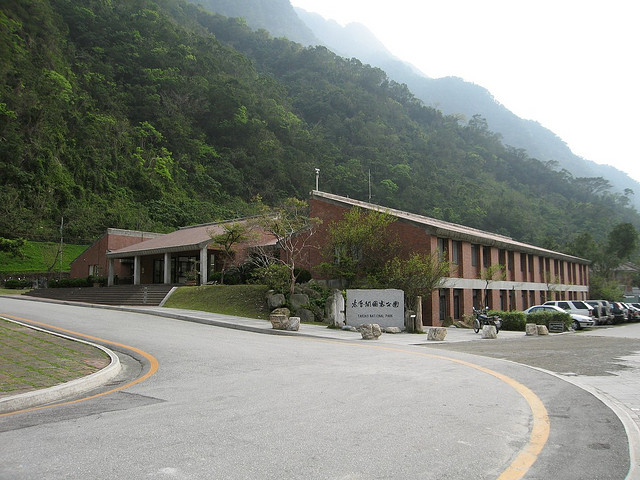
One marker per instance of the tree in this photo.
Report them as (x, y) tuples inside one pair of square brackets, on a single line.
[(233, 234), (14, 247), (292, 230), (490, 274), (623, 241), (359, 246), (418, 275)]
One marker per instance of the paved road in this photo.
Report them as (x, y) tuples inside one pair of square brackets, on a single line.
[(233, 404)]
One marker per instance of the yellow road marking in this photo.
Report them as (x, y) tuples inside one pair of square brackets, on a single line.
[(152, 362), (541, 424), (515, 471)]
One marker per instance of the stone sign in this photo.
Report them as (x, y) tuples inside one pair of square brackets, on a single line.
[(384, 307), (556, 327)]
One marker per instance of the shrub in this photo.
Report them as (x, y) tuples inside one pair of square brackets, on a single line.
[(302, 275), (514, 321), (274, 276), (17, 284), (71, 283), (544, 318)]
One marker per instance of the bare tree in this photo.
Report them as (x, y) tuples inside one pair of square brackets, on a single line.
[(292, 230)]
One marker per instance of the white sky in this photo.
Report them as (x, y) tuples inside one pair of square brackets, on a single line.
[(571, 65)]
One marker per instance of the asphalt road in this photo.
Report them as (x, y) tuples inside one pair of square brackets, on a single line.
[(236, 405)]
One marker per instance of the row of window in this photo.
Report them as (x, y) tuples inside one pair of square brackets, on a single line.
[(559, 271)]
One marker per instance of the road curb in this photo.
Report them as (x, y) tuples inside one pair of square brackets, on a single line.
[(624, 414), (64, 390)]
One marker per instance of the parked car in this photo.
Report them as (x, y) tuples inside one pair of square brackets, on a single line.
[(573, 306), (620, 312), (578, 321), (601, 311), (634, 313)]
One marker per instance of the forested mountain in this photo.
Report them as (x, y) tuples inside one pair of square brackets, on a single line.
[(453, 96), (152, 115)]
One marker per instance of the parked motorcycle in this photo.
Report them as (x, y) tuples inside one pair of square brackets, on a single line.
[(483, 318)]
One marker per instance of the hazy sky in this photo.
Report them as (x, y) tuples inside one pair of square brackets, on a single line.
[(571, 65)]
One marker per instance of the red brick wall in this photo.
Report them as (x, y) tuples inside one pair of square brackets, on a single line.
[(96, 254)]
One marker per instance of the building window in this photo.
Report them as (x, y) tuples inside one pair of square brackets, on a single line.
[(477, 299), (475, 255), (502, 257), (456, 304), (486, 256), (443, 304), (455, 253), (442, 249)]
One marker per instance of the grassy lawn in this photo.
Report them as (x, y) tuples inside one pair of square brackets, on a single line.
[(38, 257), (241, 300), (13, 291), (31, 359)]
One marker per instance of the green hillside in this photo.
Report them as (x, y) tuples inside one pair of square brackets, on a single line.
[(152, 115), (40, 257)]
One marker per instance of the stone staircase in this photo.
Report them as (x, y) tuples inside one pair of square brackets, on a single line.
[(150, 295)]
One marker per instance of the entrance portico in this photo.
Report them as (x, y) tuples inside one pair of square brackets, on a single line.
[(186, 255)]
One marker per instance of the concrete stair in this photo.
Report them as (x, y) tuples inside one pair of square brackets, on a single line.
[(150, 295)]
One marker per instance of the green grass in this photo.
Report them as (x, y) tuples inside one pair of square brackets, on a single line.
[(241, 300), (32, 359), (13, 291), (38, 257)]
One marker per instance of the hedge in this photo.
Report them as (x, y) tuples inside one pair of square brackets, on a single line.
[(516, 321)]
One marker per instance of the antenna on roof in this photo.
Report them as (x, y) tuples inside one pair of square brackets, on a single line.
[(317, 177)]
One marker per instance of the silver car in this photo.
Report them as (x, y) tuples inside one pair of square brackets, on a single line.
[(578, 321)]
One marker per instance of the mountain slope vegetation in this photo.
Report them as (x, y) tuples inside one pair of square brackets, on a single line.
[(455, 96), (153, 115)]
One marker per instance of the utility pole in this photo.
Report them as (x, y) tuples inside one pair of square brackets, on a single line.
[(369, 185)]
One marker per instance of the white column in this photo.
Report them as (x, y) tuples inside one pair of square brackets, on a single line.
[(110, 272), (136, 270), (167, 268), (204, 266)]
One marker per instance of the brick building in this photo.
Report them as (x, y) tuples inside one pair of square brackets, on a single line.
[(93, 261), (533, 274), (172, 258)]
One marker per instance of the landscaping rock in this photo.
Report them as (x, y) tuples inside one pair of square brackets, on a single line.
[(335, 309), (489, 331), (543, 330), (370, 331), (275, 300), (298, 300), (279, 318), (437, 333), (293, 324), (531, 329), (306, 315), (392, 330)]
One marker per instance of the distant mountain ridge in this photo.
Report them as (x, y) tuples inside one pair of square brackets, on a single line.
[(152, 115), (453, 95)]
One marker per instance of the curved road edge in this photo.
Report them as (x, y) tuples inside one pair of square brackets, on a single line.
[(619, 409), (64, 390)]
